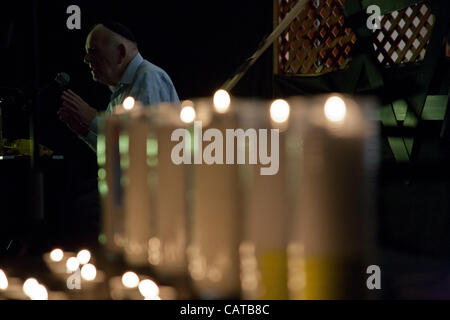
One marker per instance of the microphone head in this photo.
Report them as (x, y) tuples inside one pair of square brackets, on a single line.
[(62, 79)]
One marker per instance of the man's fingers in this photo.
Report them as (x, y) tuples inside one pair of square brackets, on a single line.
[(70, 103), (71, 122), (68, 114), (74, 96), (69, 98), (70, 106), (71, 94), (65, 118), (64, 115), (71, 118)]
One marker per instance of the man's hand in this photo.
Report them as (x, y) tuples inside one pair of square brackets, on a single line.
[(76, 113)]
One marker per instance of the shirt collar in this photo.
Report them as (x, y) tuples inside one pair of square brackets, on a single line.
[(129, 73)]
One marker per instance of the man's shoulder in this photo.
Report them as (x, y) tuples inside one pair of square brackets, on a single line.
[(150, 69)]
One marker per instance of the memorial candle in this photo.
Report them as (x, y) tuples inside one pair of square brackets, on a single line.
[(110, 187), (332, 226), (263, 252), (167, 250), (138, 201), (215, 230)]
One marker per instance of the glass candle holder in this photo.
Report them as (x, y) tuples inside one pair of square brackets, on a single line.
[(167, 247), (215, 206), (263, 270), (149, 187), (332, 227), (139, 199), (110, 143)]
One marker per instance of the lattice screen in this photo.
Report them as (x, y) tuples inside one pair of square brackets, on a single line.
[(404, 35), (317, 41)]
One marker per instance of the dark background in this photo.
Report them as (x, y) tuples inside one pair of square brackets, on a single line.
[(198, 43)]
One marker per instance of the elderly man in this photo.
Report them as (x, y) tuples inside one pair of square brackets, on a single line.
[(113, 57)]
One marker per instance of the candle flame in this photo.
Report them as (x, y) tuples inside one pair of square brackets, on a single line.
[(3, 280), (88, 272), (130, 279), (187, 114), (72, 264), (84, 256), (128, 103), (335, 109), (279, 111), (148, 289), (34, 290), (56, 255), (221, 101)]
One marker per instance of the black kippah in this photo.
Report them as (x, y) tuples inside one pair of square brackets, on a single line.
[(120, 29)]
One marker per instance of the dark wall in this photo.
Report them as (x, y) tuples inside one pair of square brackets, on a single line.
[(199, 43)]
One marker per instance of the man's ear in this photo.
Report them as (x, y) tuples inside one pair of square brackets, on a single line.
[(122, 52)]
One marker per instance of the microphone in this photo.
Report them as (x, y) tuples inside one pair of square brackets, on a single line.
[(61, 81)]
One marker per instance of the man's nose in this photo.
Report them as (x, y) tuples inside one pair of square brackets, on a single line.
[(86, 59)]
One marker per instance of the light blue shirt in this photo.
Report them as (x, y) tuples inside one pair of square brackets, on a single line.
[(142, 80)]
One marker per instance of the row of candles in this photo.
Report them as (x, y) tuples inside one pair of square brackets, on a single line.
[(65, 264), (30, 289), (233, 231)]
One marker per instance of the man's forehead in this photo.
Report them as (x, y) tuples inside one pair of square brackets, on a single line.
[(93, 41), (94, 37), (88, 41)]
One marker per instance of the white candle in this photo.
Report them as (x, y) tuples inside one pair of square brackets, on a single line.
[(138, 197), (3, 281), (110, 187), (167, 250), (263, 252), (56, 261), (331, 229), (84, 256), (129, 286), (215, 233)]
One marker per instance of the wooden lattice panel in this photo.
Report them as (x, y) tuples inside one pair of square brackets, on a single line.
[(316, 42), (404, 35)]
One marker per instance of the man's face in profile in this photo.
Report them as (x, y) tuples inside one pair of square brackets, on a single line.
[(100, 56)]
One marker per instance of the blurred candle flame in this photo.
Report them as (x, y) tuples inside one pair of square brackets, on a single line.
[(3, 280), (128, 103), (221, 101), (72, 264), (88, 272), (335, 109), (130, 279), (56, 255), (187, 114), (84, 256), (149, 289), (279, 111), (34, 290)]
